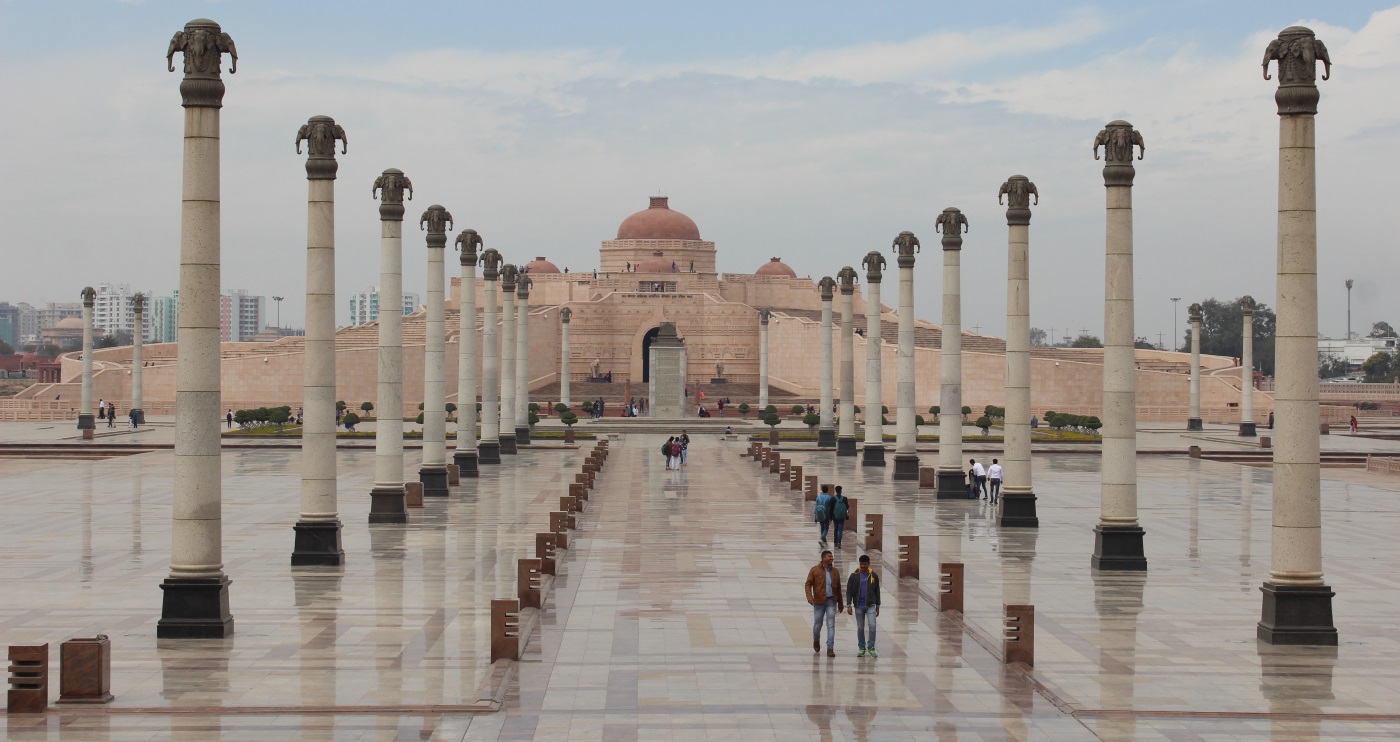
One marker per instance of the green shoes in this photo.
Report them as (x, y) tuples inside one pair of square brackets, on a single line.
[(862, 653)]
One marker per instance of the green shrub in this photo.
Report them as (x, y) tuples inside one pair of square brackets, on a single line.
[(367, 407), (919, 421), (419, 419), (340, 406), (985, 423), (567, 417), (279, 417), (450, 408), (534, 419), (966, 411), (934, 410), (798, 409), (884, 410), (771, 409), (561, 408), (533, 407), (587, 405), (812, 420), (350, 420), (744, 409), (772, 419)]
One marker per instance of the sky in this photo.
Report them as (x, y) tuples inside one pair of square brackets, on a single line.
[(811, 131)]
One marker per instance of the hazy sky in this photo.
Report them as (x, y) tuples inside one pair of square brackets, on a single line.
[(811, 131)]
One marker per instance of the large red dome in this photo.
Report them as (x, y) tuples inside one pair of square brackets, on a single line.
[(658, 222)]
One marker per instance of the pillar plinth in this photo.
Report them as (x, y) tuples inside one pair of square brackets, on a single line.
[(464, 453), (489, 447), (873, 450), (509, 275), (826, 429), (846, 423), (906, 458), (433, 470), (1017, 500)]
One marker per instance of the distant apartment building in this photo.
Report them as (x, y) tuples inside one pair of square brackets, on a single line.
[(364, 306), (1354, 351), (9, 324), (240, 315), (113, 313), (28, 323), (165, 317), (55, 312)]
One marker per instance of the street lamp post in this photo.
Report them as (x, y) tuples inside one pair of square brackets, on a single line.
[(278, 299), (1349, 285), (1175, 337)]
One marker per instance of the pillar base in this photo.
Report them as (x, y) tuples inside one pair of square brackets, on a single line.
[(1297, 615), (194, 608), (845, 446), (466, 464), (1119, 549), (1018, 510), (317, 544), (906, 467), (488, 453), (951, 485), (87, 422), (826, 438), (1247, 430), (1194, 423), (522, 436), (872, 455), (387, 505), (508, 444), (434, 479)]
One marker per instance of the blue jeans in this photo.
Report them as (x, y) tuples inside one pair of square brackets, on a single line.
[(864, 614), (827, 609), (840, 526), (826, 524)]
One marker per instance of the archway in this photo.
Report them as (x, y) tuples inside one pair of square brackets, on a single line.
[(646, 353)]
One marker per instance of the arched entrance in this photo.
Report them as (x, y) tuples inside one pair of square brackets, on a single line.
[(646, 353)]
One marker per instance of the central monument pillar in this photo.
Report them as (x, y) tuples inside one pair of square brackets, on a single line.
[(1193, 422), (509, 275), (489, 448), (433, 470), (138, 308), (873, 453), (951, 222), (846, 431), (906, 457), (1247, 369), (87, 422), (387, 497), (666, 387), (464, 453), (522, 359), (1018, 496), (826, 432)]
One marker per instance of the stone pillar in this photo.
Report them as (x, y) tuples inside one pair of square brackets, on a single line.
[(1297, 604), (432, 471), (951, 485), (762, 361), (1118, 537), (522, 360), (195, 602), (826, 431), (1018, 496), (846, 430), (873, 453), (1193, 422), (387, 497), (1247, 368), (509, 275), (138, 307), (564, 315), (87, 421), (464, 453), (906, 458), (317, 530), (489, 448)]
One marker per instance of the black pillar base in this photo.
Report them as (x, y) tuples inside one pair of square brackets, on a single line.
[(317, 544), (508, 444), (845, 446), (1194, 423), (434, 481), (386, 505), (488, 453), (1297, 615), (951, 485), (906, 467), (466, 464), (826, 438), (1247, 430), (139, 415), (872, 456), (87, 422), (522, 436), (194, 609), (1118, 549), (1018, 510)]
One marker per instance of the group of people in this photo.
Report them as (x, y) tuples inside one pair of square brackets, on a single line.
[(108, 411), (860, 598), (635, 407), (832, 507), (984, 482), (674, 450)]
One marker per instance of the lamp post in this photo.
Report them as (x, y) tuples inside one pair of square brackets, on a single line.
[(278, 299), (1350, 282), (1175, 309)]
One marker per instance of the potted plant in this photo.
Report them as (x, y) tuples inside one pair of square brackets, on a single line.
[(772, 420), (568, 418)]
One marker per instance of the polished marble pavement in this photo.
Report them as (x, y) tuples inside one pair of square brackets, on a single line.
[(678, 614)]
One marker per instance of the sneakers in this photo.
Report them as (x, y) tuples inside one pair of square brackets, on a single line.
[(871, 653), (830, 652), (861, 654)]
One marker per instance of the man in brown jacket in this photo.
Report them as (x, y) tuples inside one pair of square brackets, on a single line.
[(823, 589)]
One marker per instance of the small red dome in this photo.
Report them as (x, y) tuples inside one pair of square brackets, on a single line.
[(657, 263), (658, 222), (540, 265), (775, 267)]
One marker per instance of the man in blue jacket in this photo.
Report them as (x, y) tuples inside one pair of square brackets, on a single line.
[(863, 600)]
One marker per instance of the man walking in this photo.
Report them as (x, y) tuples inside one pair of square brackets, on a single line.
[(685, 445), (823, 590), (978, 477), (863, 599), (994, 475), (821, 512), (840, 508)]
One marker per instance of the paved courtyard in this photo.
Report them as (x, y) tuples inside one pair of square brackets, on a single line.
[(678, 613)]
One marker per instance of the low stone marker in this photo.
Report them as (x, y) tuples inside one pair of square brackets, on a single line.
[(528, 585), (909, 556), (950, 586), (505, 629), (29, 679), (874, 532), (928, 477), (569, 504), (559, 524), (774, 463), (809, 492), (1018, 644), (85, 670), (852, 516), (454, 474), (578, 490), (796, 478), (1265, 441), (413, 494), (544, 551), (784, 469)]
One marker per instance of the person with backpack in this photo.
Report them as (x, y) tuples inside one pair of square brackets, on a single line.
[(840, 508), (685, 445), (666, 451), (822, 512), (863, 600), (676, 450)]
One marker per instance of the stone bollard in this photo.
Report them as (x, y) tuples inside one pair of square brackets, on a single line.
[(874, 532), (1322, 429), (852, 516), (29, 679), (750, 450), (570, 504), (774, 463), (784, 469), (544, 551), (505, 629), (1018, 644), (809, 493), (928, 477), (909, 556), (579, 491), (528, 583), (454, 474), (950, 586), (584, 480), (560, 523), (85, 670), (1194, 452), (413, 494), (1265, 441), (795, 478)]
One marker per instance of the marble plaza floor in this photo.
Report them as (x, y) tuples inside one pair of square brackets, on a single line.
[(678, 612)]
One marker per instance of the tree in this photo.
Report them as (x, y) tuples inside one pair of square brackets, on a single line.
[(350, 420), (966, 411), (812, 420), (1380, 367), (46, 350), (1142, 344), (419, 419), (534, 419), (919, 421), (278, 417), (771, 419), (884, 410), (771, 409), (533, 407), (1222, 325), (562, 408), (366, 407), (744, 409), (6, 349), (450, 408), (1086, 341), (985, 423), (340, 406), (1037, 336), (587, 405), (107, 341), (934, 410), (1331, 367), (1382, 330), (568, 418), (798, 409)]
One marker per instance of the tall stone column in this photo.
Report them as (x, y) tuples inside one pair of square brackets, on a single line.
[(846, 425), (489, 449), (763, 315), (873, 452), (195, 601), (826, 432), (138, 308), (522, 360), (906, 458), (1018, 496), (951, 486), (1247, 368), (432, 471), (509, 275), (1297, 604), (317, 530), (387, 497), (464, 453), (1118, 536), (87, 422), (565, 314), (1193, 422)]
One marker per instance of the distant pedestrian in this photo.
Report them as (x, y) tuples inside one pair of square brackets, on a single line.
[(994, 476), (821, 512), (228, 417), (1271, 420), (863, 600), (131, 413), (112, 416), (1353, 424), (840, 508), (823, 590), (685, 445), (666, 451)]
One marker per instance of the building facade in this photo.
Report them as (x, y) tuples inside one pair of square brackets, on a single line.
[(364, 306), (240, 315), (164, 313)]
